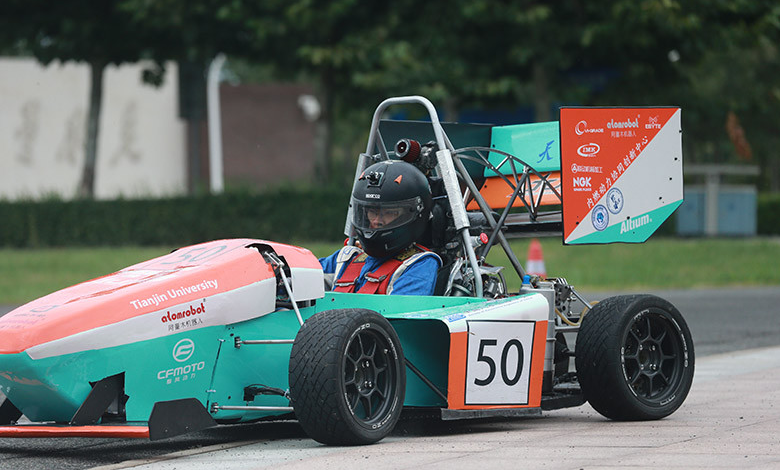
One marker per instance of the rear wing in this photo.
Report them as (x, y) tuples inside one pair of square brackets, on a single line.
[(622, 172), (600, 175)]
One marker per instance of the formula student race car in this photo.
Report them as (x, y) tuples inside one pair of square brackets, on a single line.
[(241, 330)]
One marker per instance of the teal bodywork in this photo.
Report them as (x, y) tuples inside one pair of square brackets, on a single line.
[(636, 230), (537, 144), (52, 389)]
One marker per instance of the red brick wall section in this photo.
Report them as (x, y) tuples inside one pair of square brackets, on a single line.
[(266, 139)]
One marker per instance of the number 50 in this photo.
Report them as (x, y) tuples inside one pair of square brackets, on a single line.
[(482, 356)]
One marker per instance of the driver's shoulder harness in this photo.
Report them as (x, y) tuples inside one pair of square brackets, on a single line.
[(381, 279)]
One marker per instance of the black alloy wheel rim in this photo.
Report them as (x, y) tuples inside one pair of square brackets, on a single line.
[(653, 357), (370, 374)]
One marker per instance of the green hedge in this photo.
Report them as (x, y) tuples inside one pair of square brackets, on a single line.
[(768, 214), (284, 215)]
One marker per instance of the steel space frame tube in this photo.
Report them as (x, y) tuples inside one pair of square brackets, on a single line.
[(445, 168)]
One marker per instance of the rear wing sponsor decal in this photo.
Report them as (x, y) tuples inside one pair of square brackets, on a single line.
[(621, 172)]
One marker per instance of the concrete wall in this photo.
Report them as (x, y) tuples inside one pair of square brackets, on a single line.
[(141, 147)]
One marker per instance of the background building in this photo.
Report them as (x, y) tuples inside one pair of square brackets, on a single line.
[(142, 146)]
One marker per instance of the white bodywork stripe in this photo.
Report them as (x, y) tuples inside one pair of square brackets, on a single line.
[(527, 307), (244, 303)]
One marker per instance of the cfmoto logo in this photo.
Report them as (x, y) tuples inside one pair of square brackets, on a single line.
[(183, 350)]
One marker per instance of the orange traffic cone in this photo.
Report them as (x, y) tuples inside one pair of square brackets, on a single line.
[(535, 264)]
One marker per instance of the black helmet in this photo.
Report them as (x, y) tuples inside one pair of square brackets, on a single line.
[(391, 205)]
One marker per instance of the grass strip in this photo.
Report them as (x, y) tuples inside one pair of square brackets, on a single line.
[(662, 263)]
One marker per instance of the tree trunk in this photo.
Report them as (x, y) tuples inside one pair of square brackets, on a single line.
[(194, 127), (450, 109), (86, 188), (192, 108), (324, 127), (773, 174), (541, 94)]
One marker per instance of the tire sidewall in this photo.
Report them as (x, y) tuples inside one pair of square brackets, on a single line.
[(599, 358), (651, 305), (317, 377), (374, 321)]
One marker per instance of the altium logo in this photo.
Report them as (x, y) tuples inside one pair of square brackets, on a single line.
[(633, 224)]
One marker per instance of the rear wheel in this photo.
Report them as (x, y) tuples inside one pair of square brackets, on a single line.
[(634, 358), (347, 377)]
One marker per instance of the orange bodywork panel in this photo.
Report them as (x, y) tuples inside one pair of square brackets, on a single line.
[(497, 192), (456, 397), (74, 431)]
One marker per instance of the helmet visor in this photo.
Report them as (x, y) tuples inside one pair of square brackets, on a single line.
[(371, 216)]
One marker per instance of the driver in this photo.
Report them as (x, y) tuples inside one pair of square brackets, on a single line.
[(391, 206)]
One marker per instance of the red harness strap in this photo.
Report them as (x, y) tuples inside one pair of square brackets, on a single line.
[(347, 281), (377, 280)]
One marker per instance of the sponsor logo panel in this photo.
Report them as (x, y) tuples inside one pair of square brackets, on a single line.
[(172, 315), (186, 369), (583, 128), (589, 150), (183, 350), (582, 183), (633, 224), (626, 124), (189, 316), (585, 169), (653, 123), (615, 200), (600, 217), (602, 143)]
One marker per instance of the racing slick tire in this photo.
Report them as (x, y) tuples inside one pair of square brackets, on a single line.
[(347, 377), (634, 358)]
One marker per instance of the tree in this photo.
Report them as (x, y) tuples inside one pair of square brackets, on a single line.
[(94, 32), (192, 33), (103, 32), (460, 53), (734, 88), (717, 59), (334, 43)]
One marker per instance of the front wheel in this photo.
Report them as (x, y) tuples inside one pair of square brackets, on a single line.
[(347, 377), (634, 358)]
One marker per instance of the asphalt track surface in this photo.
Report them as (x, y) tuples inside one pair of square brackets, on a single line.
[(729, 420)]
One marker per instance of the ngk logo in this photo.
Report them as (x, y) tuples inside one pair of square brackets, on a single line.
[(582, 183)]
